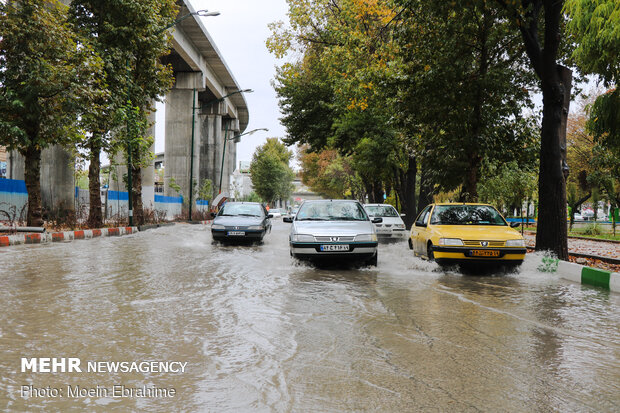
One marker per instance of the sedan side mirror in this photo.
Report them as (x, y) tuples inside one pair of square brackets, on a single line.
[(270, 216), (514, 224), (377, 220), (287, 219), (213, 214), (403, 215)]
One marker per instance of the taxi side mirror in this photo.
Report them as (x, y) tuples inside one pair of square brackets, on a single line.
[(213, 214), (287, 219), (514, 224), (270, 216)]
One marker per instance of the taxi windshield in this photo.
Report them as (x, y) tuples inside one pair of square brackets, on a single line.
[(466, 215)]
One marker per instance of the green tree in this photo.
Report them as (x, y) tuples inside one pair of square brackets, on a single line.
[(541, 26), (272, 177), (46, 74), (594, 24)]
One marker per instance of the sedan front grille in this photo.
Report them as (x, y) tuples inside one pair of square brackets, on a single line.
[(334, 239), (478, 243)]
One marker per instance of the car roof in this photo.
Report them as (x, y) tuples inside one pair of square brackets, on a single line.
[(242, 202), (330, 200), (379, 205)]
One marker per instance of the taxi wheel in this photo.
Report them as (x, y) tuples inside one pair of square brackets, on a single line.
[(429, 252), (410, 244)]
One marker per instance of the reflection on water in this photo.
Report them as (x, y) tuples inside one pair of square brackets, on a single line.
[(263, 332)]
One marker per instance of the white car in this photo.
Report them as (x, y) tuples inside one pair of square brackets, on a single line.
[(277, 213), (392, 225), (333, 229)]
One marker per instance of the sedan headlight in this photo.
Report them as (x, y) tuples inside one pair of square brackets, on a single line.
[(303, 238), (258, 227), (399, 226), (515, 243), (218, 227), (366, 237), (455, 242)]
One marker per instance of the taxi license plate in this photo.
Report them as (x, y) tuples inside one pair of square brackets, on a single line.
[(334, 247), (485, 253), (236, 233)]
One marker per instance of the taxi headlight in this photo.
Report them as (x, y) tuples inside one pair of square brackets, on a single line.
[(400, 226), (303, 238), (260, 227), (218, 227), (515, 243), (366, 237), (455, 242)]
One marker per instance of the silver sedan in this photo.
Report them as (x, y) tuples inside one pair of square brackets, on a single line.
[(339, 229)]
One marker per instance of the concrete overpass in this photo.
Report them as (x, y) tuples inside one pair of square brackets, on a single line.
[(202, 81)]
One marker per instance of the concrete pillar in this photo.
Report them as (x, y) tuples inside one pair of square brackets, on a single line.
[(57, 178), (211, 134), (15, 166), (179, 103)]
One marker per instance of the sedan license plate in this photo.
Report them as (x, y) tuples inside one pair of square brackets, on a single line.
[(485, 253), (236, 233), (335, 247)]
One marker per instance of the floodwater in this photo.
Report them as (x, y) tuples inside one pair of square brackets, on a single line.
[(260, 332)]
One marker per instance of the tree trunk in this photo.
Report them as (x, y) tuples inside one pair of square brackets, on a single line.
[(426, 189), (95, 218), (470, 185), (552, 233), (377, 188), (408, 190), (136, 176), (32, 159)]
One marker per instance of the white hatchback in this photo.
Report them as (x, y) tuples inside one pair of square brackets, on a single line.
[(392, 225)]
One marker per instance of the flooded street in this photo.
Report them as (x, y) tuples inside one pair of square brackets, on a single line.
[(261, 332)]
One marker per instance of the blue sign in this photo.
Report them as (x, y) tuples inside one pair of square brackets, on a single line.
[(2, 169)]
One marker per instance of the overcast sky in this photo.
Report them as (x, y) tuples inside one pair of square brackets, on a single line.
[(239, 33)]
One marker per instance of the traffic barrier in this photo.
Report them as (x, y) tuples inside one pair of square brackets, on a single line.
[(589, 276), (18, 239)]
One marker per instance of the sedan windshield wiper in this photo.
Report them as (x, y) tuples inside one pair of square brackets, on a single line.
[(312, 219), (248, 215)]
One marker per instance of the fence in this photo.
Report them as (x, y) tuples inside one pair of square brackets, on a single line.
[(13, 200)]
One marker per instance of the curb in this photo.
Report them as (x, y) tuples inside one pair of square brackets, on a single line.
[(153, 226), (46, 237), (200, 222), (590, 276)]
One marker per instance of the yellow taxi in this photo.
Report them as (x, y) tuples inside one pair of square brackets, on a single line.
[(466, 233)]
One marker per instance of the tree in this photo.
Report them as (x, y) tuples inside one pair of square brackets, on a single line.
[(46, 74), (595, 27), (540, 23), (329, 174), (272, 177)]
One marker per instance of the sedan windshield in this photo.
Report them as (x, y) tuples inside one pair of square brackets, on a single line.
[(250, 210), (466, 215), (331, 211), (381, 211)]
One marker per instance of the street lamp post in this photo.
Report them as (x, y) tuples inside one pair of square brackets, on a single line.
[(201, 13), (226, 140)]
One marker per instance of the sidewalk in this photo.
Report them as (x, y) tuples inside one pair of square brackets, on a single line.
[(589, 247)]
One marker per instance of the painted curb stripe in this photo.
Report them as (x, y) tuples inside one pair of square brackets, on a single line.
[(19, 239), (33, 238), (596, 277)]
